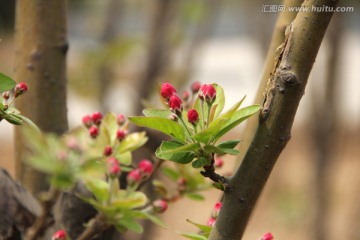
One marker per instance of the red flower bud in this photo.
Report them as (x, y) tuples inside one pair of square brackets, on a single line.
[(211, 222), (181, 181), (113, 167), (267, 236), (193, 116), (207, 92), (20, 88), (120, 135), (121, 119), (219, 163), (86, 120), (146, 166), (217, 208), (59, 235), (93, 131), (134, 177), (160, 206), (107, 151), (96, 117), (195, 87), (175, 104), (167, 90), (185, 95)]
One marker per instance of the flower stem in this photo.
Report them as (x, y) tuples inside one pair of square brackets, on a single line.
[(186, 128)]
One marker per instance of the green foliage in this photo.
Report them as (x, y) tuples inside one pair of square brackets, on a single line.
[(197, 144), (204, 232), (6, 83)]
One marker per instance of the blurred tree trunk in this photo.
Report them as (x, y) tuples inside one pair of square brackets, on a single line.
[(112, 18), (40, 61), (284, 91), (324, 128), (284, 19), (159, 49)]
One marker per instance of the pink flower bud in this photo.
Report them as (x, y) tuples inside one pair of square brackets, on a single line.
[(267, 236), (121, 119), (207, 92), (160, 206), (146, 167), (193, 116), (120, 135), (167, 90), (59, 235), (181, 181), (195, 87), (219, 163), (96, 117), (134, 177), (93, 131), (113, 167), (211, 222), (107, 151), (86, 120), (185, 95), (175, 104), (20, 88), (216, 209)]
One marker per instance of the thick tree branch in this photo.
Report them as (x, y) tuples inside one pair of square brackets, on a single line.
[(285, 88)]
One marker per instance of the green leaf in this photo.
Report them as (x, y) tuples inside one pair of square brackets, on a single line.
[(166, 126), (204, 228), (219, 101), (132, 141), (193, 236), (109, 128), (170, 173), (176, 152), (229, 144), (200, 162), (238, 117), (159, 188), (13, 118), (195, 196), (134, 200), (220, 151), (206, 135), (43, 164), (6, 83), (124, 158), (29, 123), (146, 215), (99, 188), (131, 224), (152, 112)]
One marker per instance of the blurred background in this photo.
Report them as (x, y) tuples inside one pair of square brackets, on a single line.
[(121, 50)]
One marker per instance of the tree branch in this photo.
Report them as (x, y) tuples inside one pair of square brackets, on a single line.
[(285, 88)]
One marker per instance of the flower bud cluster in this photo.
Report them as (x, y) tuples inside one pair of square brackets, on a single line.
[(113, 167), (19, 89), (143, 171), (93, 121)]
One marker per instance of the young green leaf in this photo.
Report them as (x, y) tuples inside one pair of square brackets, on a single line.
[(176, 152), (170, 173), (220, 151), (131, 224), (204, 228), (200, 162), (195, 196), (6, 83), (193, 236), (132, 141), (229, 144), (99, 188), (152, 112), (166, 126)]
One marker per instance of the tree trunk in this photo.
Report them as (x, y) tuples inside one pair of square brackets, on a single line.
[(285, 88), (284, 19), (40, 61)]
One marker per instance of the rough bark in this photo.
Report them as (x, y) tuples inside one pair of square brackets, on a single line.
[(284, 19), (285, 88), (40, 61)]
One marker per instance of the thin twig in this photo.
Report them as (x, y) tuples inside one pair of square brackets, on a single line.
[(97, 226), (46, 219)]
